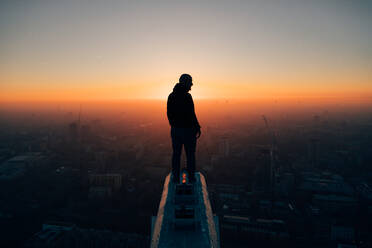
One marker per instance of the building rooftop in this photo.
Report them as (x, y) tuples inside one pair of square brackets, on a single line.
[(337, 198), (327, 186), (185, 217)]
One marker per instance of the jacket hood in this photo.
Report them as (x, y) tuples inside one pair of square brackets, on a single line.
[(179, 88)]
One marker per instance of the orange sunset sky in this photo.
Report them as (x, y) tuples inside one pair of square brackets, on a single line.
[(110, 50)]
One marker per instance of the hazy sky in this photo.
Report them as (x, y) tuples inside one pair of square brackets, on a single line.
[(137, 49)]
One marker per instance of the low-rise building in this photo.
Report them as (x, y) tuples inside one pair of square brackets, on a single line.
[(335, 203), (100, 192), (67, 235), (113, 180), (261, 228), (17, 165)]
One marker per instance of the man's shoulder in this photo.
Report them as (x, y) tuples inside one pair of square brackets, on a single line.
[(179, 95), (171, 95), (189, 96)]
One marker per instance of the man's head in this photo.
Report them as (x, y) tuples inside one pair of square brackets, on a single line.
[(186, 80)]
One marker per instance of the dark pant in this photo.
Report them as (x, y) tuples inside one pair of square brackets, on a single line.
[(187, 137)]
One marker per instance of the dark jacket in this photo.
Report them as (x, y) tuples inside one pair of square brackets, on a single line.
[(180, 108)]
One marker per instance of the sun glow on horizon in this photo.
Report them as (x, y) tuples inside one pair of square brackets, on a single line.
[(234, 50)]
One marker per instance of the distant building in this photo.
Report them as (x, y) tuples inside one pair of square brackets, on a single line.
[(73, 132), (67, 235), (313, 152), (140, 149), (263, 176), (346, 246), (227, 191), (58, 226), (155, 171), (342, 234), (224, 147), (86, 132), (364, 191), (284, 184), (320, 229), (27, 159), (278, 209), (215, 158), (249, 227), (335, 203), (113, 180), (312, 211), (100, 192), (16, 166), (318, 185)]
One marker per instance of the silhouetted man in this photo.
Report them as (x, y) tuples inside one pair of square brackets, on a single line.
[(185, 128)]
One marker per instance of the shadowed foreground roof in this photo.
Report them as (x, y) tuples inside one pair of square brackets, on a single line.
[(168, 231)]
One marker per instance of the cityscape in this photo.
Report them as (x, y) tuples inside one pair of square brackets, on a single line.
[(84, 174), (185, 124)]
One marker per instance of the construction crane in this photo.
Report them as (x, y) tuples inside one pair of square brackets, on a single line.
[(273, 153)]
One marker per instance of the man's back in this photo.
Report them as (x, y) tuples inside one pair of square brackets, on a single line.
[(180, 108)]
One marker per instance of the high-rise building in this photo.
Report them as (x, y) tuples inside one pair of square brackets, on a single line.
[(313, 152), (73, 130), (224, 147), (263, 178), (185, 217)]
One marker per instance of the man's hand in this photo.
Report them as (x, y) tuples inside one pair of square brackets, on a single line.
[(198, 133)]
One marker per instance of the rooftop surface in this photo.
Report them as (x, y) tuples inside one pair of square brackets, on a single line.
[(171, 231)]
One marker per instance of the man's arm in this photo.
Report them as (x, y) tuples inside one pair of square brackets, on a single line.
[(194, 119), (170, 110)]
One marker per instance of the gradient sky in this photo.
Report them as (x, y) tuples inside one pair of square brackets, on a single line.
[(88, 50)]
